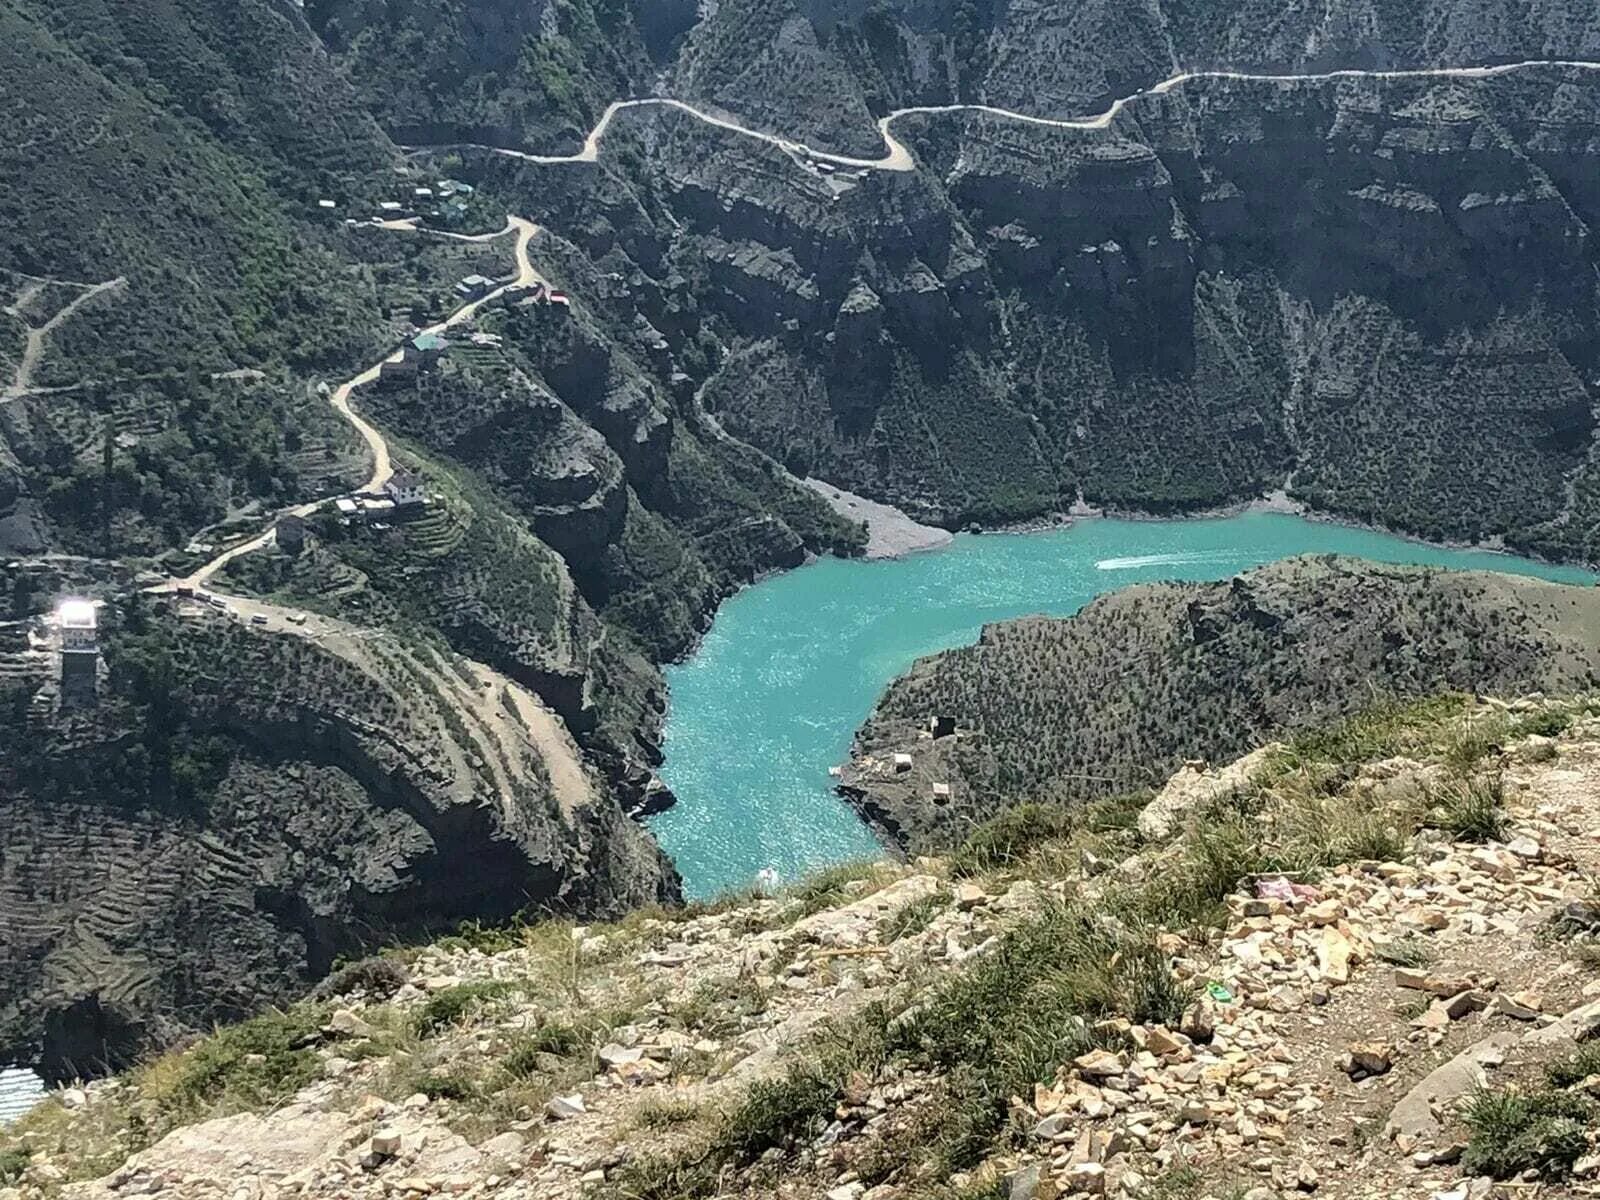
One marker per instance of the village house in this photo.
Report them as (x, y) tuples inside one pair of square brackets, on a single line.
[(425, 348), (416, 354), (406, 488), (474, 286), (78, 622)]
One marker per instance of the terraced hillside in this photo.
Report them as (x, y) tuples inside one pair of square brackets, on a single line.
[(237, 809)]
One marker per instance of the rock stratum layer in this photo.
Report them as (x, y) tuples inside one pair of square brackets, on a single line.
[(1115, 698), (234, 811)]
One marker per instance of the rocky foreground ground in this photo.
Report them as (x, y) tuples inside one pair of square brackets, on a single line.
[(1360, 965)]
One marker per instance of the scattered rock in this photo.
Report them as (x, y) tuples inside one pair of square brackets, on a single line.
[(1100, 1064), (1368, 1058), (564, 1108)]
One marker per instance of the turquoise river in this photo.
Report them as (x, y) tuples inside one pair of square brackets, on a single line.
[(792, 666)]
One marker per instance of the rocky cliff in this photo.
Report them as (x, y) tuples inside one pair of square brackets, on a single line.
[(1356, 966), (224, 813), (1116, 697)]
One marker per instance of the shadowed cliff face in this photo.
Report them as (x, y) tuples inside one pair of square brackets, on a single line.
[(234, 811), (1380, 293)]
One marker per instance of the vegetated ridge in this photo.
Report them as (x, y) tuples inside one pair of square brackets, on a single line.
[(1115, 698)]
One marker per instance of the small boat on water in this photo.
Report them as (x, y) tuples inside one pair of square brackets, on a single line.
[(767, 879)]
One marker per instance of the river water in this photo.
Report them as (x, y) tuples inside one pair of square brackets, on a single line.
[(20, 1090), (793, 665)]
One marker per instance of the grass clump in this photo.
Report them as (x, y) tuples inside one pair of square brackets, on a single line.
[(1471, 810), (911, 919), (1002, 841), (446, 1008), (257, 1062), (1024, 835), (1473, 740), (13, 1163), (1408, 951), (830, 886), (666, 1113), (529, 1055), (1022, 1011), (1576, 1067), (1382, 730), (1513, 1132), (718, 1008)]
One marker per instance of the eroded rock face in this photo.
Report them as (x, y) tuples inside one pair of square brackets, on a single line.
[(237, 809)]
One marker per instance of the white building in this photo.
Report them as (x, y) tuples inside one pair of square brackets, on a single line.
[(406, 487), (78, 621)]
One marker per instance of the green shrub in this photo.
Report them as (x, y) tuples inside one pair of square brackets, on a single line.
[(12, 1164), (378, 976), (666, 1113), (1471, 810), (448, 1007), (1547, 722), (446, 1085), (1514, 1132)]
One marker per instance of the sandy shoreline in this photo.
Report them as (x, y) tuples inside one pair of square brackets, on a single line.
[(890, 533), (893, 534)]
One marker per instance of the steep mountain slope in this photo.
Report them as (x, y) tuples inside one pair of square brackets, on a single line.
[(1373, 290), (1114, 698), (236, 809), (1068, 1009), (1379, 293)]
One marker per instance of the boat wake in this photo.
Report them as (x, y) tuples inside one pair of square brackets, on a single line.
[(1182, 559)]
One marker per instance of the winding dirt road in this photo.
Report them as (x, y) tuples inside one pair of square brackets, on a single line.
[(897, 158), (33, 350), (526, 275)]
